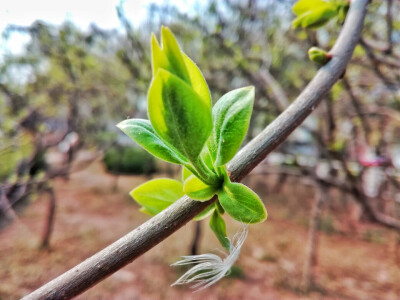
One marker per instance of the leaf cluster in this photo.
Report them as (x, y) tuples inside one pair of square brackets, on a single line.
[(185, 129), (314, 14)]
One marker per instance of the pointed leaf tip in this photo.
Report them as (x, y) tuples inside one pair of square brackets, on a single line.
[(217, 225), (241, 203), (157, 194), (169, 97), (143, 134), (172, 51), (231, 118)]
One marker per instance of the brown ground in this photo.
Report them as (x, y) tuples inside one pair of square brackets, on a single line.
[(90, 215)]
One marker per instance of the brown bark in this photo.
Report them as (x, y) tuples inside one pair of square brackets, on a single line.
[(311, 261), (50, 216), (194, 246)]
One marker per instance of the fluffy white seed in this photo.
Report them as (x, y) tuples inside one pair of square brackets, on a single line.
[(210, 267)]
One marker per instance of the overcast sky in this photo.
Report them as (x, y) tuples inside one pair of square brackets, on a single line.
[(80, 12)]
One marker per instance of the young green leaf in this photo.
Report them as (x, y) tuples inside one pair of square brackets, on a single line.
[(174, 54), (197, 80), (143, 133), (319, 17), (219, 208), (343, 9), (316, 16), (231, 117), (178, 114), (185, 173), (302, 6), (241, 203), (157, 194), (217, 224), (198, 190), (151, 212), (173, 60), (205, 213), (158, 57)]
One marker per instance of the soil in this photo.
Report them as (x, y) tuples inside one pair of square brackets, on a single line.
[(92, 212)]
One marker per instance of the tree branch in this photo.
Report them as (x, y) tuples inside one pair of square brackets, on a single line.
[(149, 234)]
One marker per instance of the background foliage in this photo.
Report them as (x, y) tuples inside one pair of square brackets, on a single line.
[(83, 82)]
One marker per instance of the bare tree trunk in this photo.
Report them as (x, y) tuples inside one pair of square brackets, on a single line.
[(48, 229), (6, 212), (280, 182), (115, 183), (194, 247), (311, 260)]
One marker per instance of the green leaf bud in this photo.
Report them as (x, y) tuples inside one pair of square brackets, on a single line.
[(319, 55)]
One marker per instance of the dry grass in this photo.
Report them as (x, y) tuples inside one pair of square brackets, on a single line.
[(90, 215)]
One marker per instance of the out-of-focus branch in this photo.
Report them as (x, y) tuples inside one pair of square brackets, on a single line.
[(353, 187), (383, 111), (149, 234), (265, 79), (389, 26), (375, 62), (355, 102), (387, 47)]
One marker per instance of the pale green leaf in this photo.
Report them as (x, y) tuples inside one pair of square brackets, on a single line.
[(185, 173), (317, 17), (148, 211), (178, 114), (158, 58), (231, 118), (197, 80), (197, 189), (303, 6), (143, 133), (174, 54), (217, 224), (157, 194), (241, 203)]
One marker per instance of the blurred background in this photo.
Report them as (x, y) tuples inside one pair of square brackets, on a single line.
[(71, 70)]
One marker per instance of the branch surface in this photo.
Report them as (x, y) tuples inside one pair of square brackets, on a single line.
[(129, 247)]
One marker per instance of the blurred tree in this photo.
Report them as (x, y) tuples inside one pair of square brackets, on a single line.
[(85, 82)]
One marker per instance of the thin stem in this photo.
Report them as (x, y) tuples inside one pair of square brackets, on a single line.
[(193, 171), (218, 170), (206, 175)]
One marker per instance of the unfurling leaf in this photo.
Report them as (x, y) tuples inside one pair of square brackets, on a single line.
[(198, 190), (241, 203), (197, 80), (315, 18), (316, 13), (231, 117), (157, 194), (178, 114), (303, 6), (143, 133), (217, 224), (170, 58)]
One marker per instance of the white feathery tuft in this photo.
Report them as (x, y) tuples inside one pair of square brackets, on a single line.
[(210, 267)]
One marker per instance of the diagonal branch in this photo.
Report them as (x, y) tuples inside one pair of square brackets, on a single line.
[(149, 234)]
